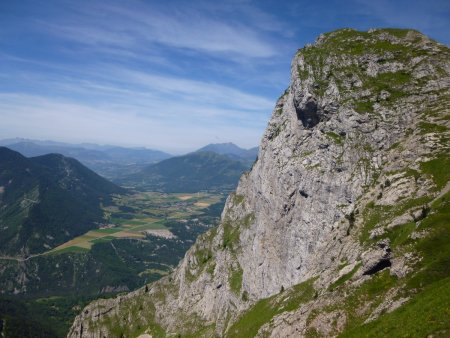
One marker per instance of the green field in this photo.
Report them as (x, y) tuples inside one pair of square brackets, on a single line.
[(140, 214)]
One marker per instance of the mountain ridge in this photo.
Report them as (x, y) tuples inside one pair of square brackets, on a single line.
[(232, 150), (109, 161), (46, 200), (193, 172)]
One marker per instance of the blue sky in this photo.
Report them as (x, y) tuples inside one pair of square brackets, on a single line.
[(170, 75)]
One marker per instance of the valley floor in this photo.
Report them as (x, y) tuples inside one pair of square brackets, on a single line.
[(144, 237)]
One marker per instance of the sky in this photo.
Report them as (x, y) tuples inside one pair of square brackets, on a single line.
[(168, 75)]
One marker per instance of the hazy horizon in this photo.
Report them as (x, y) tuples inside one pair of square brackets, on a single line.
[(171, 76), (86, 144)]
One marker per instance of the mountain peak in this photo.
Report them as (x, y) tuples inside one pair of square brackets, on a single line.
[(193, 172), (230, 149), (47, 200)]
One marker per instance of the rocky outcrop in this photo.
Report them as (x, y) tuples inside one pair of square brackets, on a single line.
[(346, 150)]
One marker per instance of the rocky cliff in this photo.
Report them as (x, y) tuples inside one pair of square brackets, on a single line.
[(343, 218)]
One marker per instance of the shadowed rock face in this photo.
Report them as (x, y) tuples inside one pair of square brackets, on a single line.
[(298, 219), (309, 114)]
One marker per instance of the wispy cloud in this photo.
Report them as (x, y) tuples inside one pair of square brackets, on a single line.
[(141, 25), (181, 128), (113, 83), (200, 93)]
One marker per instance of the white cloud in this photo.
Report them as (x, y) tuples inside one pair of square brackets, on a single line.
[(198, 92), (142, 26), (178, 127)]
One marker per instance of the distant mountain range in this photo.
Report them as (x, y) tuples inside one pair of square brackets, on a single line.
[(116, 163), (46, 200), (108, 161), (231, 150), (189, 173), (214, 167)]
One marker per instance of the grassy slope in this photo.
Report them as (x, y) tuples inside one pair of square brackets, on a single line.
[(266, 309), (427, 313)]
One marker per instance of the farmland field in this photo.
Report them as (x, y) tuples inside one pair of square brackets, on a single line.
[(139, 215)]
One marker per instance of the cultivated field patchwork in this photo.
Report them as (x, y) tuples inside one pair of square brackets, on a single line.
[(141, 214)]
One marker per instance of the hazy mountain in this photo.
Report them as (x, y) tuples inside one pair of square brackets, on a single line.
[(136, 155), (9, 141), (341, 228), (109, 161), (189, 173), (231, 150), (47, 200), (31, 149)]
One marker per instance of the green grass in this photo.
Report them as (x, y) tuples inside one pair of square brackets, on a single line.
[(149, 226), (396, 145), (248, 220), (116, 220), (277, 130), (238, 199), (235, 280), (400, 234), (121, 327), (373, 215), (307, 153), (109, 230), (348, 42), (344, 278), (397, 32), (363, 106), (231, 233), (264, 310), (203, 255), (428, 311), (439, 169), (102, 239), (434, 248), (426, 314), (135, 222), (338, 139), (390, 82), (75, 249), (426, 127), (369, 294)]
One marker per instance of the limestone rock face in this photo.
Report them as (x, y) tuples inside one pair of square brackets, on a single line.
[(339, 145)]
